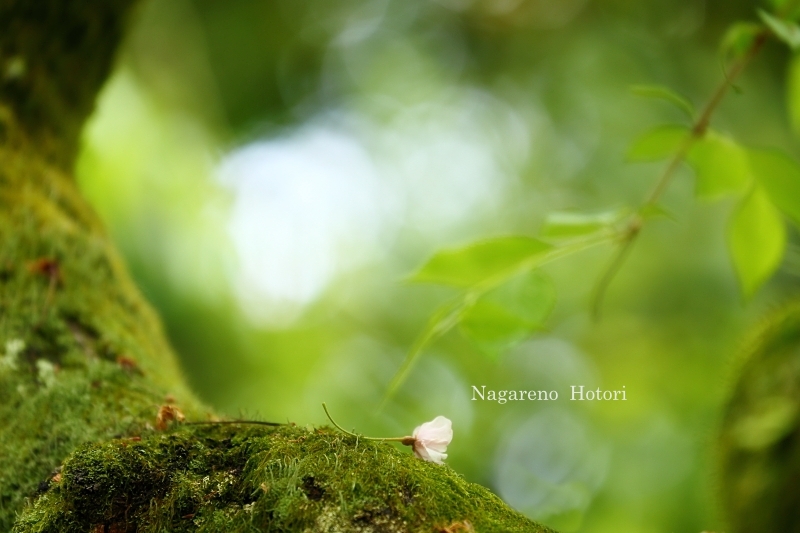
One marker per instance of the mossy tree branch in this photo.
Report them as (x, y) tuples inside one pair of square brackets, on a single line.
[(85, 368), (758, 445)]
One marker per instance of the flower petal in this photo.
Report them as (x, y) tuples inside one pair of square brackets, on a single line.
[(437, 457), (421, 451), (432, 438), (440, 429)]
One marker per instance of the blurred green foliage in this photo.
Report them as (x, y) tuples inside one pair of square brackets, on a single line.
[(471, 120)]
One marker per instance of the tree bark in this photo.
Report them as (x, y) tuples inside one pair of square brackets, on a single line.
[(91, 395)]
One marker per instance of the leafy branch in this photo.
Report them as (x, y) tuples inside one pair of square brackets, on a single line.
[(505, 297), (697, 132)]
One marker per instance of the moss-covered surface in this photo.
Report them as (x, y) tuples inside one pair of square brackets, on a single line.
[(759, 445), (82, 356), (223, 478)]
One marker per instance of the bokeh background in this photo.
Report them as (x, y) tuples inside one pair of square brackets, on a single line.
[(273, 170)]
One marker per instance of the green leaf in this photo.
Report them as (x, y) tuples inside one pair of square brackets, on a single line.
[(739, 38), (785, 30), (510, 313), (568, 224), (779, 175), (492, 327), (720, 164), (668, 95), (757, 240), (530, 295), (482, 261), (659, 143)]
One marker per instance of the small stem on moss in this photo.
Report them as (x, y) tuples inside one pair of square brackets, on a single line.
[(404, 440), (697, 132), (231, 422)]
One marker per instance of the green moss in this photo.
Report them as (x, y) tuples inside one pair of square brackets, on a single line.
[(759, 443), (232, 478), (88, 359)]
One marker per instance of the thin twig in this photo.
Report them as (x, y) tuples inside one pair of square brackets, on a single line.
[(608, 275), (340, 428), (234, 422)]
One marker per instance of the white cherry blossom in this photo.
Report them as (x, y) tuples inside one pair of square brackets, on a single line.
[(432, 438)]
